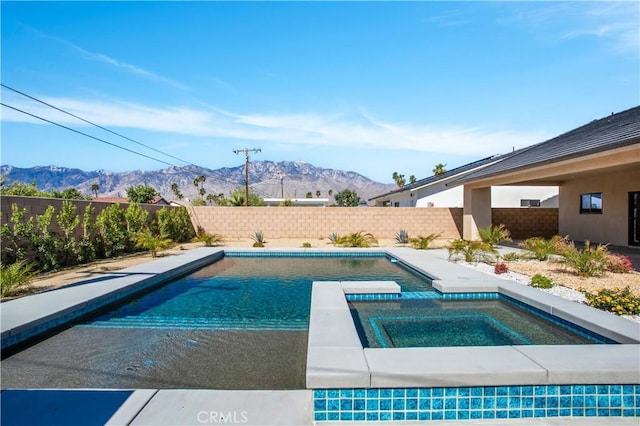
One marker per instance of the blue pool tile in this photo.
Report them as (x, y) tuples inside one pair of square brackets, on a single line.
[(476, 403), (514, 402), (552, 402), (489, 391), (565, 412), (553, 389), (450, 414), (437, 404), (603, 401), (539, 413), (412, 404), (411, 415), (578, 401), (502, 390), (398, 415), (450, 403), (358, 404), (412, 393), (372, 393), (476, 414), (489, 403), (359, 416), (502, 402), (425, 393), (501, 414), (385, 415), (333, 405), (346, 416), (590, 389), (527, 402), (385, 393), (591, 401), (451, 392), (464, 392), (577, 389), (398, 393), (527, 390), (320, 417), (628, 401), (578, 411), (565, 390), (527, 413), (488, 414), (540, 402), (477, 391), (552, 413), (514, 414), (603, 412), (628, 412), (372, 404), (463, 404), (320, 404), (514, 390), (398, 404), (439, 392), (319, 393), (346, 404), (591, 412), (424, 416), (385, 404), (637, 389), (627, 389), (603, 389), (437, 415), (333, 416), (372, 416), (615, 401), (359, 393), (615, 412), (462, 415), (638, 401), (425, 404), (540, 390), (346, 393), (333, 393)]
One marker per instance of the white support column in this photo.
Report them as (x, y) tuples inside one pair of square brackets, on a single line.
[(476, 211)]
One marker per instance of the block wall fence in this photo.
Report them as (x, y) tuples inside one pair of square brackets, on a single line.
[(318, 222)]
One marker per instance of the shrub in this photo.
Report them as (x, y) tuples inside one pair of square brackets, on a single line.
[(543, 248), (209, 239), (333, 237), (512, 256), (357, 239), (619, 264), (500, 268), (588, 262), (402, 237), (540, 281), (258, 238), (175, 224), (112, 231), (306, 245), (494, 235), (618, 301), (471, 251), (146, 240), (15, 278), (423, 243)]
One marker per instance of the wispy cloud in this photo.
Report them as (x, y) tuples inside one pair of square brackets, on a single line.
[(617, 23), (105, 59), (356, 129)]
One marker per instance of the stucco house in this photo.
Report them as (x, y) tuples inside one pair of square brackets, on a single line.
[(435, 191), (596, 168)]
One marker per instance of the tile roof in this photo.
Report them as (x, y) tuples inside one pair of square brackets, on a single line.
[(613, 131)]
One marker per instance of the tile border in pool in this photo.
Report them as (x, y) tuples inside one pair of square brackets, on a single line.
[(479, 402)]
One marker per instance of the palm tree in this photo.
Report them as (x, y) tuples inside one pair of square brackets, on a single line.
[(330, 192), (399, 179), (176, 191), (211, 198), (412, 179), (439, 169), (318, 193), (94, 188)]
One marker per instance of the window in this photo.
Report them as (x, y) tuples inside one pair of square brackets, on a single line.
[(591, 203), (529, 203)]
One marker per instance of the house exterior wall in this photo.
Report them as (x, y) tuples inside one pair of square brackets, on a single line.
[(612, 225)]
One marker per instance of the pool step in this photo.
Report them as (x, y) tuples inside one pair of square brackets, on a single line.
[(199, 323)]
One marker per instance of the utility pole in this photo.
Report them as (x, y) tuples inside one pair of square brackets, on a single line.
[(246, 170), (281, 176)]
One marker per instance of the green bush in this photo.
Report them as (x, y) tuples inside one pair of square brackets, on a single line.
[(357, 239), (540, 281), (587, 262), (402, 237), (423, 243), (209, 239), (174, 224), (148, 241), (512, 256), (494, 235), (16, 277), (543, 248), (112, 231), (471, 251), (618, 301), (306, 245)]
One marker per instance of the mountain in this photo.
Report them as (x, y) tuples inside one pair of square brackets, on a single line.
[(298, 178)]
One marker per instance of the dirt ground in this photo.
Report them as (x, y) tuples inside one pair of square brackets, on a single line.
[(554, 271)]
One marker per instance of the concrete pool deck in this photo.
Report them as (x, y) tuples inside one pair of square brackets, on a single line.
[(25, 318)]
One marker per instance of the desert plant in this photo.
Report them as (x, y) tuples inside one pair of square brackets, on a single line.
[(306, 245), (543, 248), (333, 237), (402, 237), (500, 268), (146, 240), (618, 301), (208, 239), (494, 235), (619, 264), (587, 262), (512, 256), (423, 243), (258, 238), (540, 281), (357, 239), (471, 251), (16, 277)]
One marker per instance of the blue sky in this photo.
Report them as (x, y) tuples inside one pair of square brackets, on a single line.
[(373, 87)]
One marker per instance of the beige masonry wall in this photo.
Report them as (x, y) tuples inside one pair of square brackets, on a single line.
[(318, 222), (527, 222)]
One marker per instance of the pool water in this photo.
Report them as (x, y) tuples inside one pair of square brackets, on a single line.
[(441, 322), (239, 323)]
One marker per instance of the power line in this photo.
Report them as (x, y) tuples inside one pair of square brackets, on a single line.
[(93, 124), (84, 134)]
